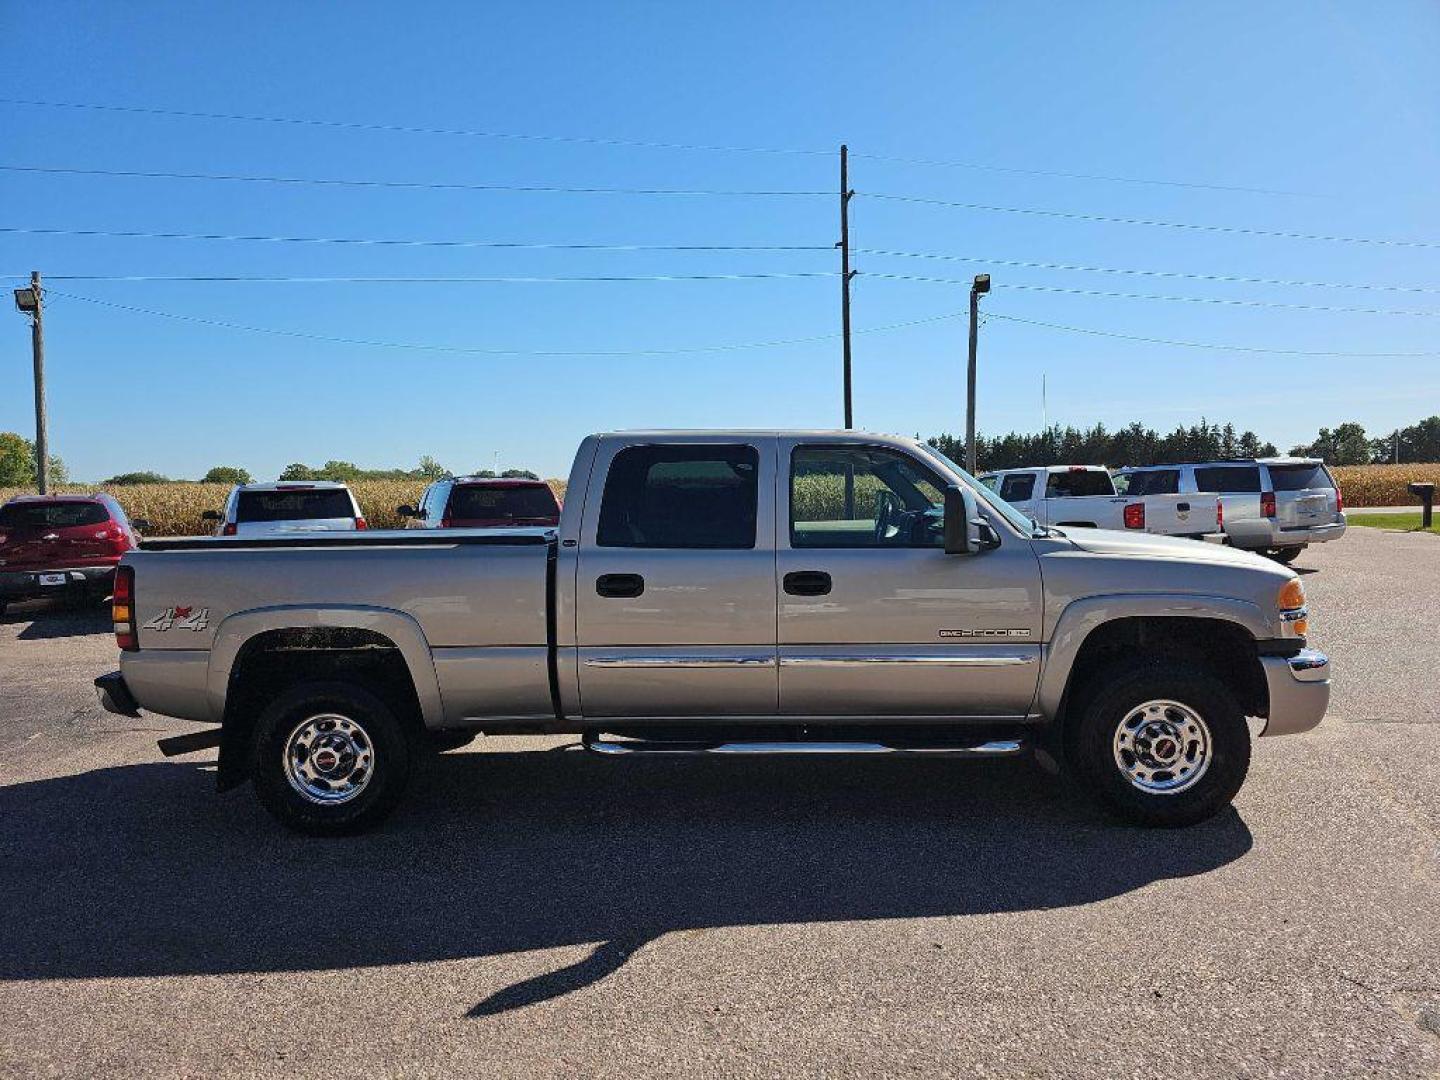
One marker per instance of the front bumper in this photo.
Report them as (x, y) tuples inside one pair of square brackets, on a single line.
[(27, 584), (1299, 691)]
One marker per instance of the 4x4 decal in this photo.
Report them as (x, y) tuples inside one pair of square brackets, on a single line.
[(180, 618)]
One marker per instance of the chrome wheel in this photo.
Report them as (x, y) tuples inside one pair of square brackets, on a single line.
[(1162, 747), (329, 759)]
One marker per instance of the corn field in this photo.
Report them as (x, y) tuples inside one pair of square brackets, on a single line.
[(175, 509)]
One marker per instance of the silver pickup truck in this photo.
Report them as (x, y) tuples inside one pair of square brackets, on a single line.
[(731, 593)]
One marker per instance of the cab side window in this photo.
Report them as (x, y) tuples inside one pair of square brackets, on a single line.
[(699, 496), (860, 497), (1018, 488)]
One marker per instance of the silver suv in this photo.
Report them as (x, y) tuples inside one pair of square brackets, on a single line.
[(1273, 505), (287, 507)]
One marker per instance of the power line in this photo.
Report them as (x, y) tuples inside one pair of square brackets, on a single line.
[(491, 350), (641, 144), (1109, 179), (263, 279), (1224, 278), (551, 189), (405, 129), (1106, 294), (388, 242), (1066, 215), (1207, 345)]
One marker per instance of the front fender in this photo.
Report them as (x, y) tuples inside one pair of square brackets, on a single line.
[(1081, 618), (232, 634)]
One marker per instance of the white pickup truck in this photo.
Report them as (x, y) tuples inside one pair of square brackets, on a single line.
[(733, 592), (1084, 496)]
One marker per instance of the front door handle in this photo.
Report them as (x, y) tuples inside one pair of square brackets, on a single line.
[(626, 586), (807, 583)]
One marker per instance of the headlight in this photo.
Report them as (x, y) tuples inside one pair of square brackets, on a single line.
[(1291, 601)]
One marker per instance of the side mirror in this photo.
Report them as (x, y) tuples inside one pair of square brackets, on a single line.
[(406, 511), (210, 515), (140, 524), (966, 531)]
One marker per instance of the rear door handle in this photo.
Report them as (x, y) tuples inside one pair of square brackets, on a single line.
[(625, 586), (807, 583)]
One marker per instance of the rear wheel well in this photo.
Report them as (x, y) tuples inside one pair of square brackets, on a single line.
[(1225, 648), (273, 661)]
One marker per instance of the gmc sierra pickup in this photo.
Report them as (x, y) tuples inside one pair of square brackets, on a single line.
[(723, 592)]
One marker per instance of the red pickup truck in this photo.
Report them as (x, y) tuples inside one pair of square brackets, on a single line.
[(65, 546)]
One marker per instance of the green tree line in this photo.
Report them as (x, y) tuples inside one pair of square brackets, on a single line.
[(1134, 444)]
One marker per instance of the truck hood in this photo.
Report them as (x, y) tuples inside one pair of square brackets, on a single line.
[(1148, 546)]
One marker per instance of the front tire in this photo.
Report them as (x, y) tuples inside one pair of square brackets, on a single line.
[(331, 758), (1161, 743)]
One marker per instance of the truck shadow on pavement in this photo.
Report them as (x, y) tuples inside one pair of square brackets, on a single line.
[(143, 870), (49, 620)]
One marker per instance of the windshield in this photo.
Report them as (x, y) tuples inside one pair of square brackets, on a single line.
[(294, 505), (52, 515), (1017, 520), (501, 503)]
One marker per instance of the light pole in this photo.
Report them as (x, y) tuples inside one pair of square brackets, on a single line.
[(30, 301), (978, 288)]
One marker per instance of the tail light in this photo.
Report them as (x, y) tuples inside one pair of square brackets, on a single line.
[(447, 523), (1219, 515), (1339, 500), (1267, 504), (122, 609), (1135, 516), (229, 529), (360, 523)]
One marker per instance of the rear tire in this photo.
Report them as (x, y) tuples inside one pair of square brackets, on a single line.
[(330, 758), (1286, 555), (1160, 743)]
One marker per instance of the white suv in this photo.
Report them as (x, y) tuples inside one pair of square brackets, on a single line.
[(287, 507), (1273, 505)]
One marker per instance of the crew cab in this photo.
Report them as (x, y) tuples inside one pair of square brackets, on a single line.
[(1277, 505), (1085, 496), (287, 507), (728, 593), (476, 502), (62, 546)]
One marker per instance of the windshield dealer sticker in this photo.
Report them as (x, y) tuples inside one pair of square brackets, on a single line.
[(179, 618)]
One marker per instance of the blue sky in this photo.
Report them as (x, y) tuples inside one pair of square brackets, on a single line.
[(1337, 105)]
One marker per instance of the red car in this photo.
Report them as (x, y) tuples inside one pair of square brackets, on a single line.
[(469, 502), (62, 545)]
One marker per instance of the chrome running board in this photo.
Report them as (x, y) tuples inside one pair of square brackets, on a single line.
[(596, 743)]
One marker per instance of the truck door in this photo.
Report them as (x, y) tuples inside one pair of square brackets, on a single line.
[(675, 596), (874, 618)]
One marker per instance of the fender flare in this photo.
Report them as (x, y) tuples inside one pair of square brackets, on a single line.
[(237, 629), (1081, 618)]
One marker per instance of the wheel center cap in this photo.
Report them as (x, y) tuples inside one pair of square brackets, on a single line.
[(326, 759)]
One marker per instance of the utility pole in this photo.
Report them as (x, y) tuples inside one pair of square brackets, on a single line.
[(31, 302), (980, 286), (845, 275)]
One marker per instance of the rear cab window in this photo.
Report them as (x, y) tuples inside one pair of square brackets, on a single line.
[(1302, 477), (681, 496), (477, 501), (1149, 482), (1017, 487), (66, 514), (1078, 483), (294, 505)]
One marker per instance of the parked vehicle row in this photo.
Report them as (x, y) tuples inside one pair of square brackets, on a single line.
[(1085, 496), (1276, 506), (722, 592)]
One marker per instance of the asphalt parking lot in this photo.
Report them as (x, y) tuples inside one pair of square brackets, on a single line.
[(533, 911)]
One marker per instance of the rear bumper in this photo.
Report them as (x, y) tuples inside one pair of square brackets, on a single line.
[(25, 584), (1299, 688), (115, 696), (1248, 536)]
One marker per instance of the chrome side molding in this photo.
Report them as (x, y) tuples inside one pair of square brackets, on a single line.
[(996, 660), (690, 662), (596, 743)]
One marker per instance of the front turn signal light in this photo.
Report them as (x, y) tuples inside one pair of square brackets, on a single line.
[(1292, 595)]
